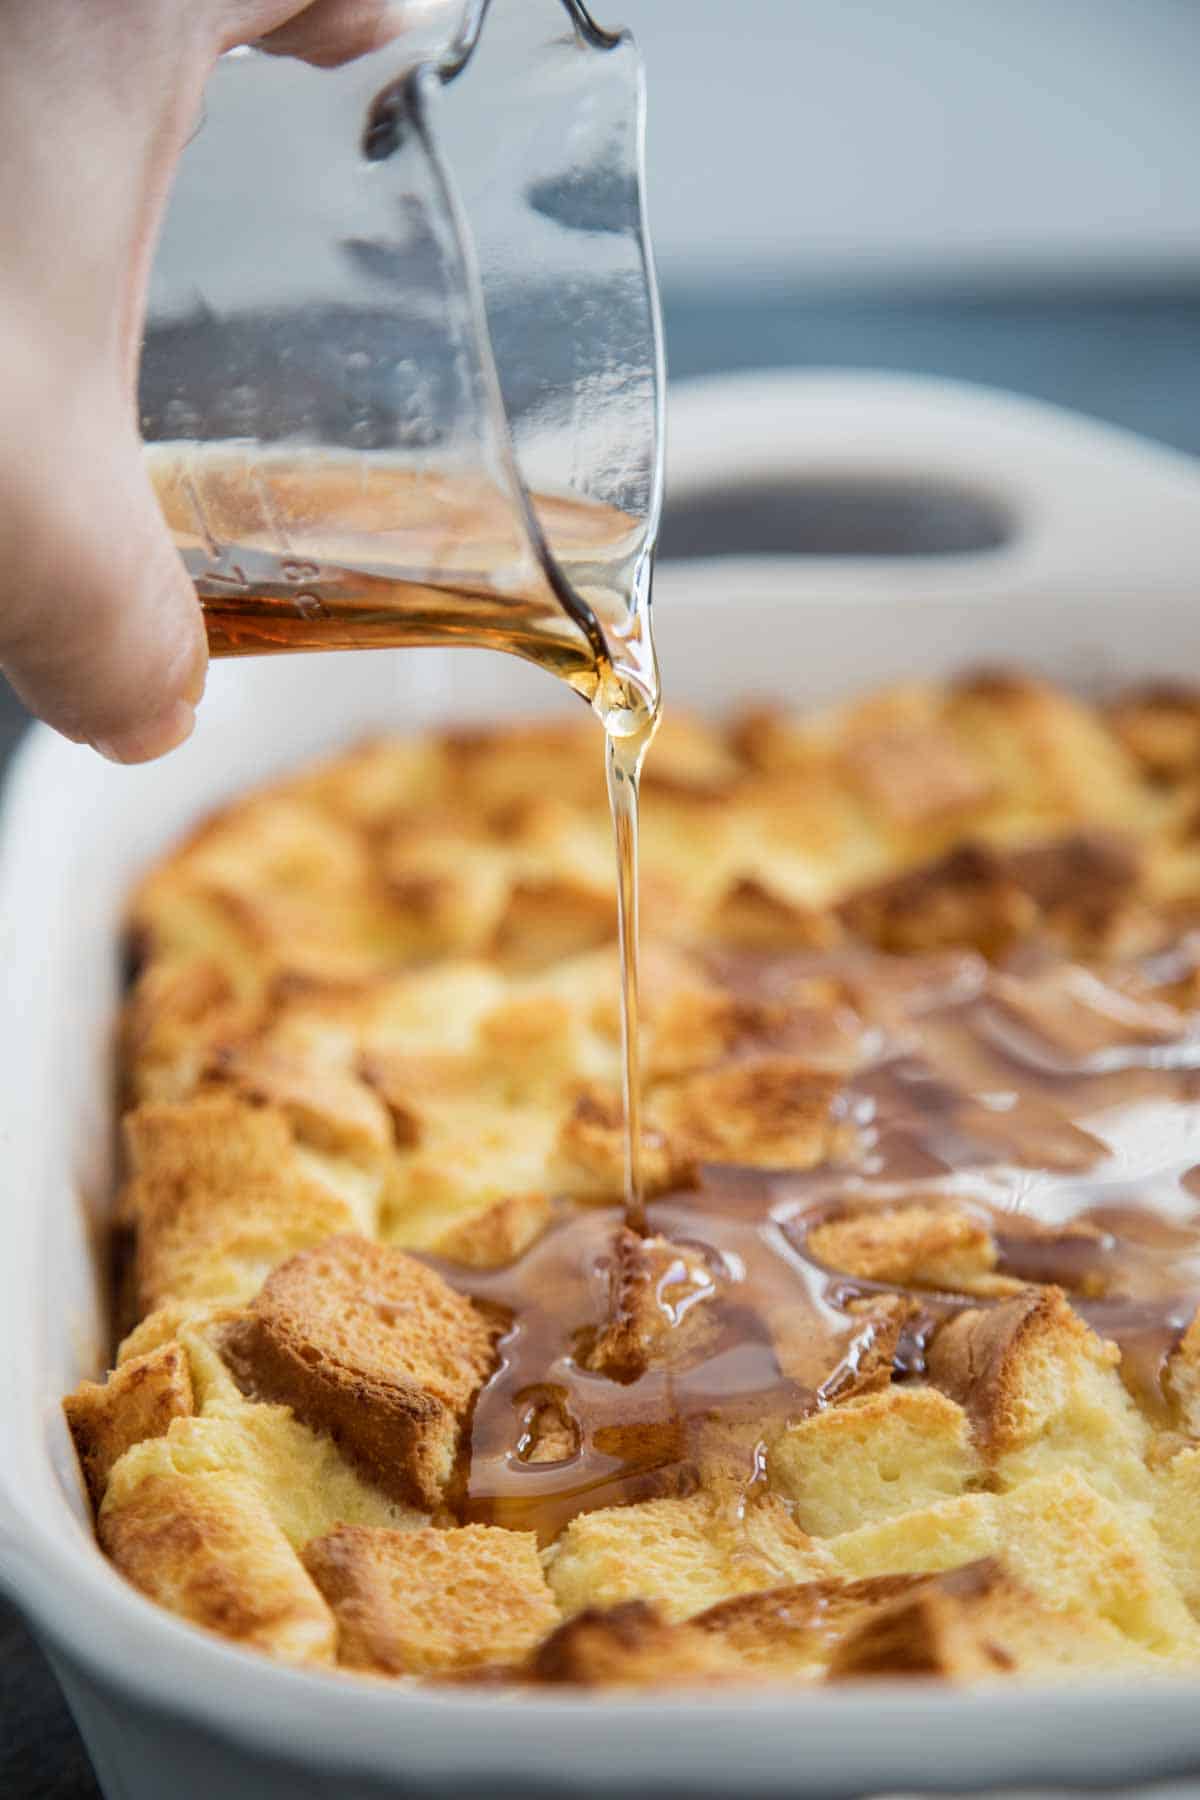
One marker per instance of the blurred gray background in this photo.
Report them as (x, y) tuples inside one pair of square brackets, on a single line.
[(1002, 192), (797, 142)]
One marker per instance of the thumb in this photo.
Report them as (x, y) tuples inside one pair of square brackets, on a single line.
[(100, 631)]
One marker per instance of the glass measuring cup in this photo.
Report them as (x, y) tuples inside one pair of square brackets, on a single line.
[(402, 376)]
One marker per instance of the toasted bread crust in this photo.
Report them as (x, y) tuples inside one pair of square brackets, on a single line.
[(628, 1646), (977, 1623), (138, 1401), (432, 1602), (968, 897), (206, 1547), (794, 1630), (367, 1344), (913, 1246), (656, 1301), (219, 1197), (874, 1456), (1018, 1366)]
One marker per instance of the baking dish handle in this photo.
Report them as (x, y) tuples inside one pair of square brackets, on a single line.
[(1044, 496)]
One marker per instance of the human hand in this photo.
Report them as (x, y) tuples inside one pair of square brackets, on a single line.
[(101, 633)]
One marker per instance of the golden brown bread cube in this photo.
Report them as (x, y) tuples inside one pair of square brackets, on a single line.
[(1084, 885), (554, 917), (206, 1547), (892, 1452), (154, 1330), (916, 774), (138, 1400), (975, 1624), (770, 1112), (1049, 753), (271, 884), (750, 913), (1043, 1391), (305, 1482), (176, 1009), (497, 1235), (693, 757), (325, 1106), (1078, 1547), (1073, 1546), (1160, 726), (924, 1541), (682, 1554), (968, 897), (498, 766), (656, 1306), (793, 1631), (432, 1602), (912, 1246), (631, 1645), (588, 1159), (691, 1022), (376, 1349), (535, 1035), (219, 1196)]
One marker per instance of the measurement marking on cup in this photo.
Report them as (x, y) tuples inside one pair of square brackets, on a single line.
[(233, 579)]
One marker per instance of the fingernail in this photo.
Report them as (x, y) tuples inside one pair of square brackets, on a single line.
[(175, 723)]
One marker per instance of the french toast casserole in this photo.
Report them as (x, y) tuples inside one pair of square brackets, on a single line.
[(904, 1376)]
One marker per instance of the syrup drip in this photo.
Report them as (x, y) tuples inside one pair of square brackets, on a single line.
[(1053, 1107), (624, 757)]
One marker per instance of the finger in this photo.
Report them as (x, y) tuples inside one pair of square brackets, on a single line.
[(101, 634), (100, 631), (331, 32)]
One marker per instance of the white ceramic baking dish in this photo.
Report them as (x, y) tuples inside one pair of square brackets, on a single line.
[(1099, 576)]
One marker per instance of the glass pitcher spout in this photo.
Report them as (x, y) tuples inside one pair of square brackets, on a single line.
[(403, 378)]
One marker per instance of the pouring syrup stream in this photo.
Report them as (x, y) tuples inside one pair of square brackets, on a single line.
[(624, 757)]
